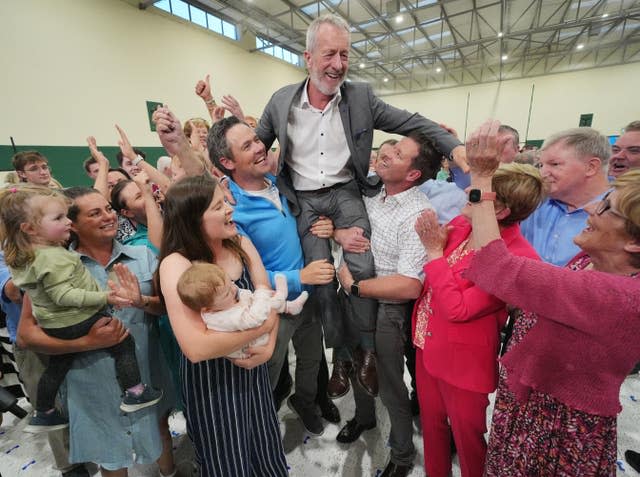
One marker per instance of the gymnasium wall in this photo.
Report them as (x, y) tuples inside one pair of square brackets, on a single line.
[(72, 68)]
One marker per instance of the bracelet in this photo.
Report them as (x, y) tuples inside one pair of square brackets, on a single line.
[(137, 160), (145, 301), (211, 101)]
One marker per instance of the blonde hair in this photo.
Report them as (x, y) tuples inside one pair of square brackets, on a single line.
[(627, 187), (519, 187), (194, 122), (200, 283), (18, 206)]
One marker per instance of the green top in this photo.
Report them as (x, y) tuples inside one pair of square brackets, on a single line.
[(62, 291)]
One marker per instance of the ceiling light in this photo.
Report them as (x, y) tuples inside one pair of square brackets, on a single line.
[(505, 57), (579, 46), (605, 15), (385, 79), (362, 66), (499, 34), (399, 18), (438, 69)]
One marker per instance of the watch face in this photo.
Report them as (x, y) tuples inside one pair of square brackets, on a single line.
[(475, 195)]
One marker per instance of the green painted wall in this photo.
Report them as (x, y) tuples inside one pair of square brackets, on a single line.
[(66, 161)]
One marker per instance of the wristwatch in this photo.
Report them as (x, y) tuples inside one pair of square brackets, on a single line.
[(477, 195), (137, 160), (355, 288)]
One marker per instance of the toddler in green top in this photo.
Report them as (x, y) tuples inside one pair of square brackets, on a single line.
[(66, 299)]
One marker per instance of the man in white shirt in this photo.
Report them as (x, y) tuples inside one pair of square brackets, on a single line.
[(399, 257)]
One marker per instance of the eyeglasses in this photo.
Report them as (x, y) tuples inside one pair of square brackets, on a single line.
[(605, 205)]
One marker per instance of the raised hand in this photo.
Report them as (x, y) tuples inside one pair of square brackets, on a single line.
[(95, 153), (432, 235), (194, 140), (203, 89), (318, 272), (231, 104), (128, 285), (484, 148), (169, 130), (125, 146), (142, 179), (217, 113)]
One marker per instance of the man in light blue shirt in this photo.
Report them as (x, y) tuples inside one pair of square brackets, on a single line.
[(573, 166)]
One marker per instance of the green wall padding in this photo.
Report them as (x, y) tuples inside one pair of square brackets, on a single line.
[(66, 161)]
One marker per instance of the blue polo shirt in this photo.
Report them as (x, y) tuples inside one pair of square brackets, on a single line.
[(551, 229), (273, 232)]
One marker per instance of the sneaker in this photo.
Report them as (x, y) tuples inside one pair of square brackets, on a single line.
[(311, 421), (132, 403), (45, 422)]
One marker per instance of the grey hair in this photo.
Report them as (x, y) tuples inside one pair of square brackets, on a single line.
[(587, 142), (328, 19), (506, 129)]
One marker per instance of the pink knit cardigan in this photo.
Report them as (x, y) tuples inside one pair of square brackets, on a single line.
[(586, 339)]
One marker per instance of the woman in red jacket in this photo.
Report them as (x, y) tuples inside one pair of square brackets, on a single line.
[(457, 325)]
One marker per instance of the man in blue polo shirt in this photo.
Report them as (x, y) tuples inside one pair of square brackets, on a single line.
[(264, 216), (574, 168)]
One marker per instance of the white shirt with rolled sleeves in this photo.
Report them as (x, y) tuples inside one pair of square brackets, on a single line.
[(395, 245)]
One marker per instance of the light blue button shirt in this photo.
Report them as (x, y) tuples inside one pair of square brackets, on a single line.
[(551, 229), (100, 432), (445, 197), (11, 310)]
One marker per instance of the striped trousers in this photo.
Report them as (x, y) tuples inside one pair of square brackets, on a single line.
[(231, 419)]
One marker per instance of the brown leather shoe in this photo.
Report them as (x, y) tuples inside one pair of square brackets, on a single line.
[(338, 384), (365, 362)]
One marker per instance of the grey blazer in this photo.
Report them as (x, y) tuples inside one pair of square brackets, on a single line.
[(361, 112)]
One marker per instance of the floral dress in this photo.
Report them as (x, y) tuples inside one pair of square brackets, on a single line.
[(542, 436)]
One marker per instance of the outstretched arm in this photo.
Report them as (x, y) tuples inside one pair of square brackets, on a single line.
[(154, 217), (101, 183), (175, 142)]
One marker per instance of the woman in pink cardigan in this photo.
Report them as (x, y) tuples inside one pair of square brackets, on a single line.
[(457, 325), (555, 412)]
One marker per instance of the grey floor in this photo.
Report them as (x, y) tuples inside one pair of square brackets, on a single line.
[(27, 455)]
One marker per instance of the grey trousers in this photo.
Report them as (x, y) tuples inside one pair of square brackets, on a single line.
[(392, 333), (31, 366), (344, 206), (305, 331)]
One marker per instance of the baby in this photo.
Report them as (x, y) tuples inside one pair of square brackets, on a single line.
[(206, 288)]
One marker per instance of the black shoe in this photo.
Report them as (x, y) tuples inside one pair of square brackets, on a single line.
[(311, 421), (77, 471), (633, 458), (396, 470), (329, 411), (352, 431)]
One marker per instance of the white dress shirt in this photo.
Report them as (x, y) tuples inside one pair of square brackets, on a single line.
[(319, 149)]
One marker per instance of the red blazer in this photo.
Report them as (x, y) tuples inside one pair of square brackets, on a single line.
[(462, 336)]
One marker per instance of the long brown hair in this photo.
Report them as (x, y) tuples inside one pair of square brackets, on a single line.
[(184, 205)]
